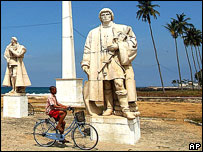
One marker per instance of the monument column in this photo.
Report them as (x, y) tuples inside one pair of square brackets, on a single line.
[(69, 88), (68, 55)]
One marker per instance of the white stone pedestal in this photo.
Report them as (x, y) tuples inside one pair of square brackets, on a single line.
[(15, 106), (116, 129), (69, 92)]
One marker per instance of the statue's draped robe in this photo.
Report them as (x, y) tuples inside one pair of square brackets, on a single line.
[(22, 79), (93, 58)]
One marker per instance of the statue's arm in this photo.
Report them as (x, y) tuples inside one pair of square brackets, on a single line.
[(6, 55), (19, 52), (132, 41), (128, 48), (87, 50), (132, 44), (85, 64)]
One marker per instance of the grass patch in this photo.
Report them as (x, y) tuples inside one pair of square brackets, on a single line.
[(171, 93)]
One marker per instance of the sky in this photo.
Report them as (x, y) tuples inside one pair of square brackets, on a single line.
[(37, 25)]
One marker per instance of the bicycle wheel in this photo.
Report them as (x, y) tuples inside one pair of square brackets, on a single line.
[(43, 132), (85, 136), (30, 109)]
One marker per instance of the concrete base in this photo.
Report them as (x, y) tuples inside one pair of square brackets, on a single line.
[(69, 92), (15, 106), (116, 129)]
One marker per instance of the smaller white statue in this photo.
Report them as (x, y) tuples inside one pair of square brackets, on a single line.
[(16, 75)]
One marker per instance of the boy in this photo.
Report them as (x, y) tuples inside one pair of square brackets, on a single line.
[(56, 110)]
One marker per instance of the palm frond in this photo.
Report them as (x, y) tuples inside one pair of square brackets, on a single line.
[(146, 9)]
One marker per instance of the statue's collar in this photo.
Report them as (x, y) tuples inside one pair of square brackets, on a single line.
[(107, 26)]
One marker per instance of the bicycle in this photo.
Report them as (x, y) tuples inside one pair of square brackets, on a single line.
[(30, 109), (84, 135)]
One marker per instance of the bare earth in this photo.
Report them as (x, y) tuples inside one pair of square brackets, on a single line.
[(162, 129)]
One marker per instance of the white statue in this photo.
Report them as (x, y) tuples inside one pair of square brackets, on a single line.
[(16, 75), (108, 53)]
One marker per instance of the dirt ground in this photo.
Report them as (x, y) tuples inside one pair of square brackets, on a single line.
[(162, 128)]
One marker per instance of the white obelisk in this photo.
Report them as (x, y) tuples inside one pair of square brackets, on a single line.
[(69, 88), (68, 55)]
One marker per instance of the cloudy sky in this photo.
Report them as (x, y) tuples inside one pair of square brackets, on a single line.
[(37, 25)]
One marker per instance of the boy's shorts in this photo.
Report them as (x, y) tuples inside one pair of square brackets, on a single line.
[(55, 114)]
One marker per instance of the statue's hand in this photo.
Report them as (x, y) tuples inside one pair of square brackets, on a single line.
[(86, 69), (113, 47), (12, 50)]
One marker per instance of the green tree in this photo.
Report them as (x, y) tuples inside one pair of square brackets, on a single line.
[(183, 26), (198, 78), (197, 39), (174, 82), (172, 28), (189, 40), (146, 9), (197, 42)]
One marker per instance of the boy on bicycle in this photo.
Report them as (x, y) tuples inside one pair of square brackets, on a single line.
[(56, 110)]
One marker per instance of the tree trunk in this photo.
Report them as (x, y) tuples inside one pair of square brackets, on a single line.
[(188, 59), (178, 64), (197, 58), (200, 55), (198, 62), (156, 58), (191, 75), (195, 66)]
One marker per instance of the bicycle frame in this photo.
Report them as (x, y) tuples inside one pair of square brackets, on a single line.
[(61, 137)]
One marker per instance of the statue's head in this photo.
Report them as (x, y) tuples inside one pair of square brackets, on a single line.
[(14, 39), (106, 10)]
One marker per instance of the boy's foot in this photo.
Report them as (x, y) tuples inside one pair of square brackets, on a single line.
[(65, 141)]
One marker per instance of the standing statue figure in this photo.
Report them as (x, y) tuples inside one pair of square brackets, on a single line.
[(108, 53), (16, 75)]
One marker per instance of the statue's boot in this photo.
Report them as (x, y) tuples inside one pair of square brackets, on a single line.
[(109, 102), (123, 101)]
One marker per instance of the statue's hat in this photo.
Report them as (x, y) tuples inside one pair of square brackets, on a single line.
[(14, 38)]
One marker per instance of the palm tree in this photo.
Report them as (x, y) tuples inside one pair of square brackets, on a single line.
[(183, 25), (182, 28), (197, 38), (189, 40), (198, 41), (146, 9), (173, 27)]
